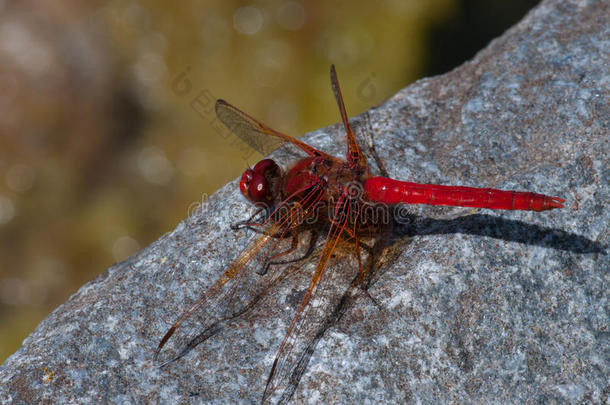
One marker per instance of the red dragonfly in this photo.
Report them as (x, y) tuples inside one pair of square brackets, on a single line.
[(319, 191)]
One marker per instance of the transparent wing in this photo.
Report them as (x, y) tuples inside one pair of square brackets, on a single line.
[(233, 293), (237, 289), (316, 312), (256, 134), (354, 155)]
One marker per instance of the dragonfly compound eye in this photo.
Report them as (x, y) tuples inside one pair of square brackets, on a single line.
[(268, 168), (258, 189)]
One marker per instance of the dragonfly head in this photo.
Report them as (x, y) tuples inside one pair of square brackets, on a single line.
[(258, 184)]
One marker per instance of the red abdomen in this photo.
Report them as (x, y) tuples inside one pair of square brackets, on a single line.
[(390, 191)]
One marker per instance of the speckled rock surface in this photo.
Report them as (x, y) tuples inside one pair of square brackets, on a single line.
[(504, 306)]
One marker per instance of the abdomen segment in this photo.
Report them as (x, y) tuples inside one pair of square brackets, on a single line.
[(390, 191)]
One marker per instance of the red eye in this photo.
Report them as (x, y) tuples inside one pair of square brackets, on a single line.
[(256, 183), (257, 188), (254, 186)]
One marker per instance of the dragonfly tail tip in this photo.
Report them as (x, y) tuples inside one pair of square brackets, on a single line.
[(556, 202)]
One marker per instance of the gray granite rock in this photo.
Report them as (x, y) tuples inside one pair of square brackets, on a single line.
[(473, 307)]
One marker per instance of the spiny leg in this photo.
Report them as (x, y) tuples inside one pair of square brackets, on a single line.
[(256, 225), (293, 246), (363, 275), (371, 145), (251, 223)]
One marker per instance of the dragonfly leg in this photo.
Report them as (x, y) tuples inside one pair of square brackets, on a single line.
[(363, 279), (364, 274), (368, 132), (293, 246), (252, 222)]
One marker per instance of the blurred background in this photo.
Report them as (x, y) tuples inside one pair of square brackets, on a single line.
[(105, 111)]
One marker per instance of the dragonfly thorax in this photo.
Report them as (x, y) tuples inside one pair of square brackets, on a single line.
[(328, 181)]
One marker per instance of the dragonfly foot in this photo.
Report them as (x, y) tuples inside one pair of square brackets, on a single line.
[(263, 269)]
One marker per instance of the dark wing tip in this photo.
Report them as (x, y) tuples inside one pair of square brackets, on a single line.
[(220, 102)]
